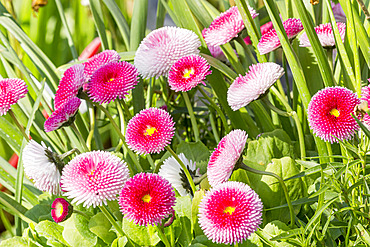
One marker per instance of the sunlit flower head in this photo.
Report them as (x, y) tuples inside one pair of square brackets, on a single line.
[(61, 210), (111, 81), (270, 41), (230, 212), (223, 160), (104, 57), (63, 116), (188, 72), (161, 48), (150, 131), (11, 90), (226, 26), (93, 178), (325, 34), (264, 29), (72, 80), (41, 165), (173, 172), (147, 199), (255, 83), (329, 114)]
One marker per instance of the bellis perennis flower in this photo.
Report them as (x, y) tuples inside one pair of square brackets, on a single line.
[(325, 34), (11, 90), (61, 210), (104, 57)]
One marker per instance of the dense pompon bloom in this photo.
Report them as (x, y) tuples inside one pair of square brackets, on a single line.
[(325, 34), (226, 26), (270, 41), (11, 90), (223, 160), (111, 81), (104, 57), (150, 131), (329, 114), (173, 172), (230, 212), (61, 210), (63, 116), (163, 47), (264, 29), (94, 177), (255, 83), (40, 165), (147, 199), (188, 72), (72, 80), (365, 96)]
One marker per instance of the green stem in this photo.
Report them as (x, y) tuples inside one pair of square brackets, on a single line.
[(192, 116), (198, 180), (329, 54), (246, 49), (163, 237), (214, 128), (20, 127), (112, 220), (128, 113), (151, 162), (73, 126), (330, 152), (150, 91), (92, 127), (275, 109), (188, 176)]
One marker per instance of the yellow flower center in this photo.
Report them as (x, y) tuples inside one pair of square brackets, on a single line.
[(188, 72), (229, 210), (59, 209), (335, 112), (111, 79), (150, 131), (146, 198)]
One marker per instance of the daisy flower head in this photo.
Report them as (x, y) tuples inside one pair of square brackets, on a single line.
[(325, 34), (226, 26), (329, 114), (264, 29), (163, 47), (223, 160), (150, 131), (104, 57), (365, 96), (230, 212), (270, 41), (215, 51), (112, 80), (63, 116), (255, 83), (94, 177), (61, 210), (188, 72), (11, 90), (173, 172), (147, 199), (72, 80), (42, 166)]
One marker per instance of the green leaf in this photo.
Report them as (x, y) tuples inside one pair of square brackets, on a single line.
[(15, 241), (141, 235), (76, 233), (220, 66), (195, 151), (51, 231), (10, 134), (38, 212), (119, 242), (194, 211), (97, 13), (274, 229), (100, 225)]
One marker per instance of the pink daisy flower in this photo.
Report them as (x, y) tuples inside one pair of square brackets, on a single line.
[(255, 83), (112, 80), (223, 160), (93, 178), (264, 29), (226, 27), (61, 210), (270, 41), (188, 72), (162, 48), (72, 80), (63, 116), (329, 114), (230, 212), (325, 34), (365, 96), (11, 90), (147, 199), (104, 57), (150, 131), (338, 12)]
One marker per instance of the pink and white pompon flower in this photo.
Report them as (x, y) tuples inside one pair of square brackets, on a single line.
[(264, 29), (93, 178), (161, 48), (365, 96), (329, 114), (188, 72), (223, 160), (325, 34), (61, 210), (226, 26), (270, 41), (104, 57), (147, 199), (63, 116), (11, 90), (255, 83), (72, 81), (230, 212), (150, 131), (111, 81)]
